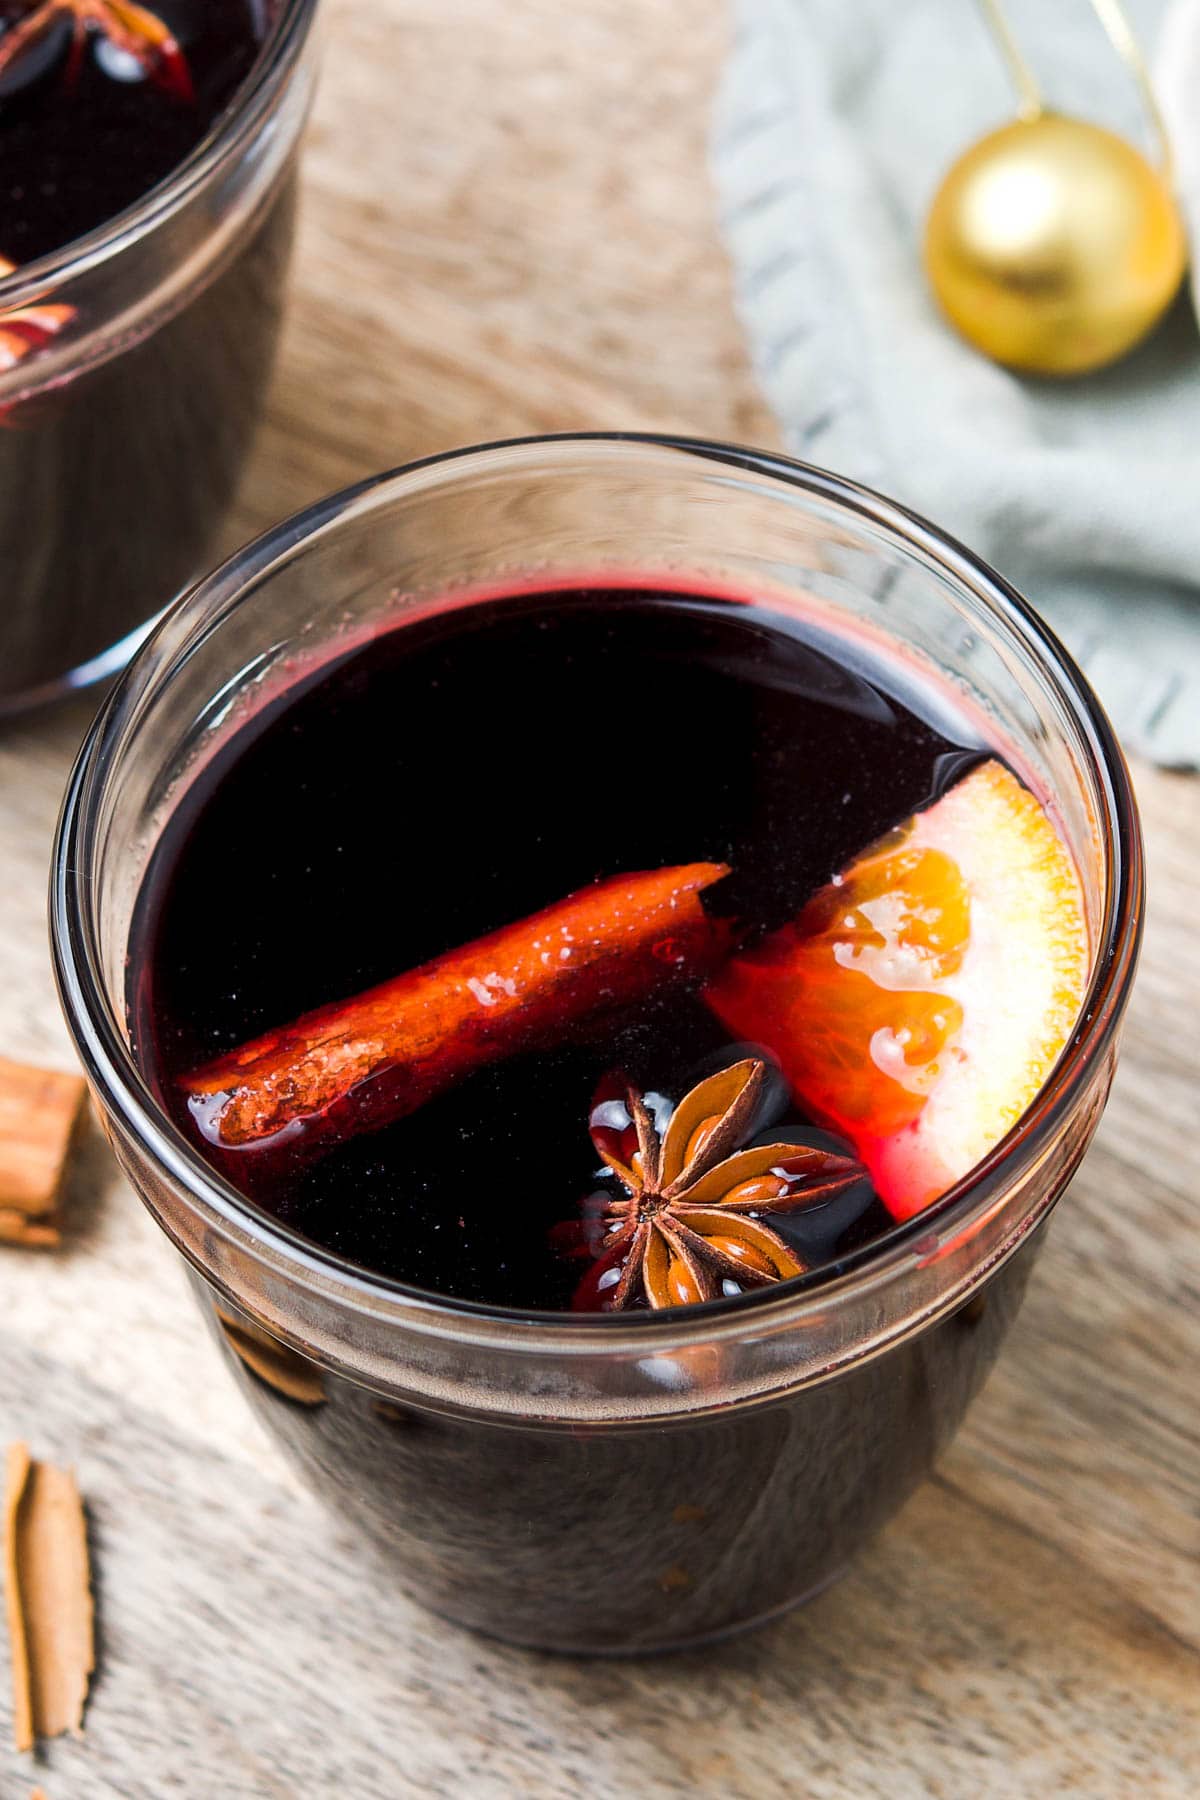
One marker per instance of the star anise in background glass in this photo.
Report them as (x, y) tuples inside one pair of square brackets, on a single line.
[(134, 30), (689, 1221)]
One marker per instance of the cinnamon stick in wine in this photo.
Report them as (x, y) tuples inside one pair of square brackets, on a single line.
[(361, 1063)]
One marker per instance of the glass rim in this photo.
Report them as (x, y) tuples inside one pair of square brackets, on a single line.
[(225, 137), (110, 1065)]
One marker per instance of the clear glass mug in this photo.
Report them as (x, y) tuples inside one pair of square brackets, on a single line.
[(123, 435), (622, 1483)]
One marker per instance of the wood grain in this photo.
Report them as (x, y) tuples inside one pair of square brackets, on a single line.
[(508, 227)]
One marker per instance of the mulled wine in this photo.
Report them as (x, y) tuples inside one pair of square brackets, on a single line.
[(547, 1014), (477, 957), (99, 102), (131, 379), (448, 779)]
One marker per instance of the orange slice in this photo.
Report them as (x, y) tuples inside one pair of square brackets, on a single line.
[(920, 1000)]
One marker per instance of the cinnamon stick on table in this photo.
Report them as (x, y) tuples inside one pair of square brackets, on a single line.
[(48, 1598), (39, 1111)]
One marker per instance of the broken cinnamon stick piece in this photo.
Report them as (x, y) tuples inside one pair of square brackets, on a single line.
[(48, 1598), (39, 1111), (361, 1063)]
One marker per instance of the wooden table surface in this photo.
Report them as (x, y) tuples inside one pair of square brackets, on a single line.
[(508, 228)]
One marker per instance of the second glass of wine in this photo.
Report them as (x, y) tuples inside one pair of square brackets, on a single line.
[(141, 294)]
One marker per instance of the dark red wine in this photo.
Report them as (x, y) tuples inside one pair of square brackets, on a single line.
[(113, 485), (449, 778), (94, 114), (115, 473), (461, 774), (617, 1538)]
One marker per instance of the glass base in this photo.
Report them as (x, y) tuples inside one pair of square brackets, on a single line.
[(89, 674)]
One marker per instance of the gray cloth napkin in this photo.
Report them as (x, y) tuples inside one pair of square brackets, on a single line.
[(836, 121)]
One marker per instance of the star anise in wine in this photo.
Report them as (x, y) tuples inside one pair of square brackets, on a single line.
[(134, 30), (691, 1218)]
